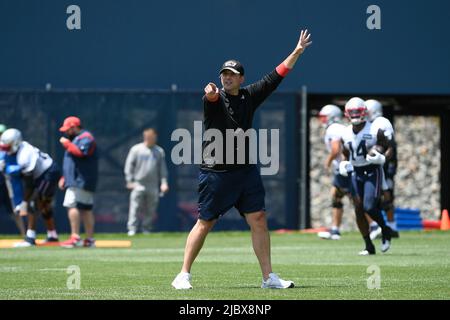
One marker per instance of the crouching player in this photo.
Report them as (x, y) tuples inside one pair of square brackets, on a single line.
[(10, 191), (363, 142), (39, 174), (331, 117)]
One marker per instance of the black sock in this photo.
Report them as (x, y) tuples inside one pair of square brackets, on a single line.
[(369, 244)]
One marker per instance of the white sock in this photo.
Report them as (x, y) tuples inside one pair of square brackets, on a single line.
[(335, 228), (392, 225), (52, 234), (31, 234), (373, 224)]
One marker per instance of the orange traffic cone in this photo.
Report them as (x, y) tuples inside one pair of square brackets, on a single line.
[(445, 221)]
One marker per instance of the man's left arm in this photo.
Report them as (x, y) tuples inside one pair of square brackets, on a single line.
[(261, 89)]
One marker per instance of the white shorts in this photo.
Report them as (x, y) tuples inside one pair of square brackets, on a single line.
[(78, 198)]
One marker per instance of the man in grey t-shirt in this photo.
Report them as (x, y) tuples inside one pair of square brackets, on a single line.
[(146, 177)]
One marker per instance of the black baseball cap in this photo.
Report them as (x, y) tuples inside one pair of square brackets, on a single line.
[(234, 66)]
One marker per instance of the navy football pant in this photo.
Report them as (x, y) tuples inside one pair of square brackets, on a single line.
[(366, 192)]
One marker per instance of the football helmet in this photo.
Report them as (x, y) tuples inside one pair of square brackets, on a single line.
[(330, 114), (356, 110), (10, 141)]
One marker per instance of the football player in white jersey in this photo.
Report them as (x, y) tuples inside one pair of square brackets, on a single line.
[(375, 113), (362, 142), (40, 176), (331, 117)]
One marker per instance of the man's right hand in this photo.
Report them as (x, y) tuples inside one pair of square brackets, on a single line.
[(131, 185), (211, 92), (61, 183)]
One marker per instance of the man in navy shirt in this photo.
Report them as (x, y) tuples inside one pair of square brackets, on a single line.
[(80, 174), (224, 185)]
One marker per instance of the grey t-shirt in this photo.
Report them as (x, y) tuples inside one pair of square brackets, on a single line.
[(146, 166)]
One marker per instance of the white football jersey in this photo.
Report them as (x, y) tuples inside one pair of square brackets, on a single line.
[(385, 125), (334, 132), (32, 160), (359, 144)]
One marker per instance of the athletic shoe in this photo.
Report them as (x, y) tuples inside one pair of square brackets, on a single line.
[(26, 243), (74, 241), (385, 245), (182, 281), (275, 282), (51, 239), (375, 233), (335, 234), (324, 235), (386, 239), (329, 235), (131, 233), (369, 250), (89, 243)]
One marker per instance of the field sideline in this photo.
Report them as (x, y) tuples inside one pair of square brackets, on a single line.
[(417, 267)]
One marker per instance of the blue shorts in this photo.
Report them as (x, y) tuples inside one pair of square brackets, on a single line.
[(220, 191), (342, 183)]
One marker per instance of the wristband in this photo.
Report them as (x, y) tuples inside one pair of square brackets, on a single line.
[(282, 70)]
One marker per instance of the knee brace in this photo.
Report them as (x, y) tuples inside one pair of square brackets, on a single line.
[(336, 203)]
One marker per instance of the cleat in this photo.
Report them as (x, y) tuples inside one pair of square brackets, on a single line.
[(329, 235), (89, 243), (375, 233), (73, 242), (51, 239), (182, 281), (324, 235), (385, 246), (275, 282), (367, 251), (386, 239), (26, 243), (131, 233), (335, 234)]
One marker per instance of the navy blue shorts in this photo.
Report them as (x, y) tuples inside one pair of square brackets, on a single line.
[(47, 184), (366, 184), (220, 191), (342, 183)]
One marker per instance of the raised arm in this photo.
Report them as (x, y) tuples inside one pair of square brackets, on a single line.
[(289, 62), (261, 89)]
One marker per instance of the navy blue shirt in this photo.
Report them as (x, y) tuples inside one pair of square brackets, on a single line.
[(80, 170)]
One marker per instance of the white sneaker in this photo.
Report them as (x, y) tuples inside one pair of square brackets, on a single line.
[(324, 235), (275, 282), (385, 245), (131, 233), (182, 281), (363, 253), (375, 234), (23, 244)]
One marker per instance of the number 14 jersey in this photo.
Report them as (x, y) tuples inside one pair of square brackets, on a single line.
[(360, 143)]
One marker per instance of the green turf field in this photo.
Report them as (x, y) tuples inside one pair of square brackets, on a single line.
[(417, 267)]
